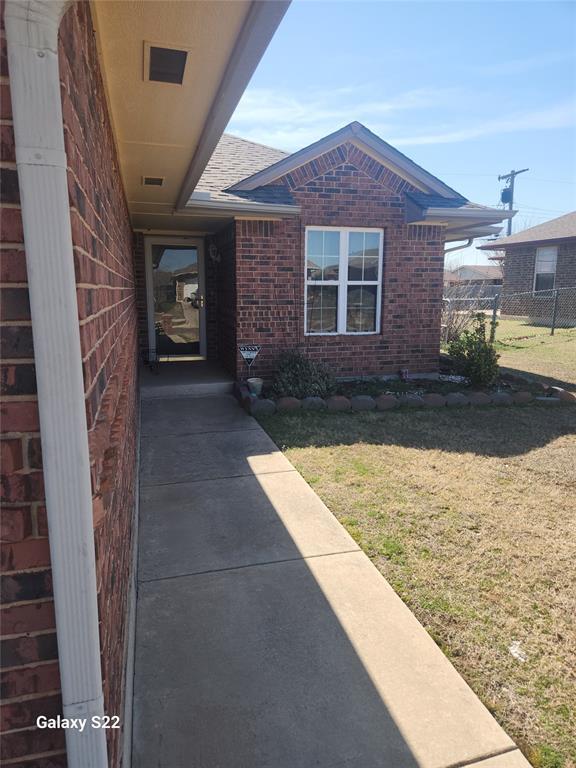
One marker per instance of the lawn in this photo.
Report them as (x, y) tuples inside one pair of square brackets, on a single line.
[(470, 515), (531, 348)]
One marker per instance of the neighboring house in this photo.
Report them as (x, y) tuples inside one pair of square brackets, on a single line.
[(474, 274), (337, 249), (125, 215), (110, 112), (539, 258)]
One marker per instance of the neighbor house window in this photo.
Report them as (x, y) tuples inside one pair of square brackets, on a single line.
[(545, 268), (343, 280)]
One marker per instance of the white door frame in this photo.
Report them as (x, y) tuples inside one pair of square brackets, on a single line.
[(196, 242)]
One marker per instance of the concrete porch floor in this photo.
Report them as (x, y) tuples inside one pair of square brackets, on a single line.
[(199, 378), (265, 638)]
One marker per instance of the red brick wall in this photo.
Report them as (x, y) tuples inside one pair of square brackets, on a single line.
[(30, 681), (102, 241), (344, 187), (103, 257), (521, 259)]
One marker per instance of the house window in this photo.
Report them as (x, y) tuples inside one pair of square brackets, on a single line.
[(343, 280), (545, 268)]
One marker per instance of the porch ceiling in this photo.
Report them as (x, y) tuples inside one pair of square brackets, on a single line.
[(164, 129)]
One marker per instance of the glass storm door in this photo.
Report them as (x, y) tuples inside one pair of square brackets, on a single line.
[(178, 301)]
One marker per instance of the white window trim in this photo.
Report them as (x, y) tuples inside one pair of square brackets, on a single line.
[(343, 281), (536, 272)]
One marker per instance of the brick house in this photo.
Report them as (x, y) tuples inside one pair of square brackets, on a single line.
[(539, 258), (124, 232), (337, 249)]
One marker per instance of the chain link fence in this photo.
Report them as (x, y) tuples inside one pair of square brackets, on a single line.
[(512, 315)]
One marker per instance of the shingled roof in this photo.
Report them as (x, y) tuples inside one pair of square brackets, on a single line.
[(555, 229), (233, 160)]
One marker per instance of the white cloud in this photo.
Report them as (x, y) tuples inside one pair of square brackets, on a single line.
[(292, 121), (520, 66), (559, 116)]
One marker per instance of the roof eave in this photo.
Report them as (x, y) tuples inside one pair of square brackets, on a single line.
[(255, 36), (501, 245)]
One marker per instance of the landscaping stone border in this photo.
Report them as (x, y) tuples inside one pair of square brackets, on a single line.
[(338, 403)]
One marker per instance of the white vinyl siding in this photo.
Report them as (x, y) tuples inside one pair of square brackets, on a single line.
[(343, 280)]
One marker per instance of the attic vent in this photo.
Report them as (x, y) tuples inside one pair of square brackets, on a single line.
[(167, 65), (153, 181)]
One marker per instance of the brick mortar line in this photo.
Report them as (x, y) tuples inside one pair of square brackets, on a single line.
[(107, 332), (35, 756), (98, 262), (36, 569), (75, 210), (101, 312), (29, 697), (24, 603), (35, 633), (30, 664), (99, 344)]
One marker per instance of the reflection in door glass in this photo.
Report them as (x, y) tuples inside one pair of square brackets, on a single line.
[(177, 300)]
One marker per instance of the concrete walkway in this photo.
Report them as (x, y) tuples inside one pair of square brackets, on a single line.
[(265, 637)]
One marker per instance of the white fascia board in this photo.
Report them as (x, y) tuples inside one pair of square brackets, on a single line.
[(200, 206), (32, 37)]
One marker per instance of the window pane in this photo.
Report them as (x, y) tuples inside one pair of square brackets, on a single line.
[(323, 251), (314, 268), (372, 244), (363, 251), (322, 308), (331, 243), (315, 243), (544, 282), (361, 310), (370, 268), (546, 259), (331, 264)]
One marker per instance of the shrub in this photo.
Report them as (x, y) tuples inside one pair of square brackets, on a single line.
[(298, 376), (474, 355)]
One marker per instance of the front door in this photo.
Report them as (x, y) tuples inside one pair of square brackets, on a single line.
[(176, 304)]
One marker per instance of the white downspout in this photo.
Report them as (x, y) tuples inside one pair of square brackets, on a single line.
[(32, 36)]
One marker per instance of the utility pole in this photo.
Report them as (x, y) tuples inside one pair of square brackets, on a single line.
[(507, 195)]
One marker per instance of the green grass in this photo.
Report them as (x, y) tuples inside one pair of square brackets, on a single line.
[(469, 514), (531, 349)]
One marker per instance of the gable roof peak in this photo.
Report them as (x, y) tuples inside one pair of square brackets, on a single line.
[(363, 139)]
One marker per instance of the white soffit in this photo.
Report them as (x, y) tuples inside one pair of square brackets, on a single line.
[(159, 126)]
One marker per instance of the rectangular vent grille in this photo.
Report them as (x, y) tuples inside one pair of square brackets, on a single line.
[(167, 65), (153, 181)]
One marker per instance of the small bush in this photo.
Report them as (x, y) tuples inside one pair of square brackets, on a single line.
[(298, 376), (474, 355)]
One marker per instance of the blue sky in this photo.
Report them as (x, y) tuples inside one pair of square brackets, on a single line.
[(469, 90)]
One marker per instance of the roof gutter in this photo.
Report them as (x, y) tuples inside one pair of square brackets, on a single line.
[(480, 214), (202, 207), (258, 29), (459, 247), (32, 36)]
